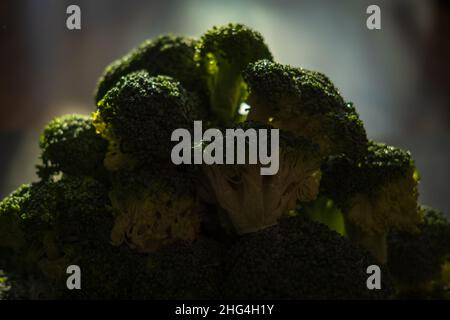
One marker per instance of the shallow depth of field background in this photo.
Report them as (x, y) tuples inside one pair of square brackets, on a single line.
[(398, 77)]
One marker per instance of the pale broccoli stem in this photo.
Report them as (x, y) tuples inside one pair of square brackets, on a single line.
[(254, 201)]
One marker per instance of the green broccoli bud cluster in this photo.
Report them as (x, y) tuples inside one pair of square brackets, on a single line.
[(375, 194), (109, 199), (167, 55), (300, 258), (70, 144), (416, 259), (223, 53)]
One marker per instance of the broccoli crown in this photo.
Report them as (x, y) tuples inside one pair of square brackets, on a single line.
[(382, 164), (310, 91), (141, 112), (223, 53), (235, 43), (306, 103), (299, 259), (54, 217), (254, 201), (182, 271), (165, 55), (108, 272), (70, 144), (272, 82), (12, 204), (378, 192), (11, 235), (325, 211), (415, 258)]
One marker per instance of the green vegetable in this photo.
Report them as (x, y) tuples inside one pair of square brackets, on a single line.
[(306, 103), (375, 194), (416, 258), (300, 259), (167, 55), (109, 199), (223, 53), (70, 144), (254, 201)]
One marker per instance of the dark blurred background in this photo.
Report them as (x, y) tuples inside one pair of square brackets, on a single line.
[(398, 77)]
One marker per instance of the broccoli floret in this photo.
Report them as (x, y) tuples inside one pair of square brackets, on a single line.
[(54, 217), (107, 272), (26, 214), (375, 194), (138, 117), (324, 210), (224, 52), (182, 271), (110, 200), (70, 144), (415, 258), (165, 55), (11, 235), (254, 201), (299, 259), (152, 212), (306, 103)]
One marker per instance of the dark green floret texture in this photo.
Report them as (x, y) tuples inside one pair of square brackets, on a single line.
[(338, 218), (137, 111), (168, 55), (416, 259), (305, 102), (70, 144), (300, 257)]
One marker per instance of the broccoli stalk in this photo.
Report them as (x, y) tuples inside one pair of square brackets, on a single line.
[(138, 116), (254, 201), (70, 144), (167, 55), (223, 53), (110, 200), (55, 219)]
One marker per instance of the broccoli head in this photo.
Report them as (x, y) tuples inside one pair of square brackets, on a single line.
[(138, 117), (70, 144), (165, 55), (375, 194), (306, 103), (54, 217), (416, 258), (223, 53), (254, 201), (257, 219), (299, 259), (182, 271)]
